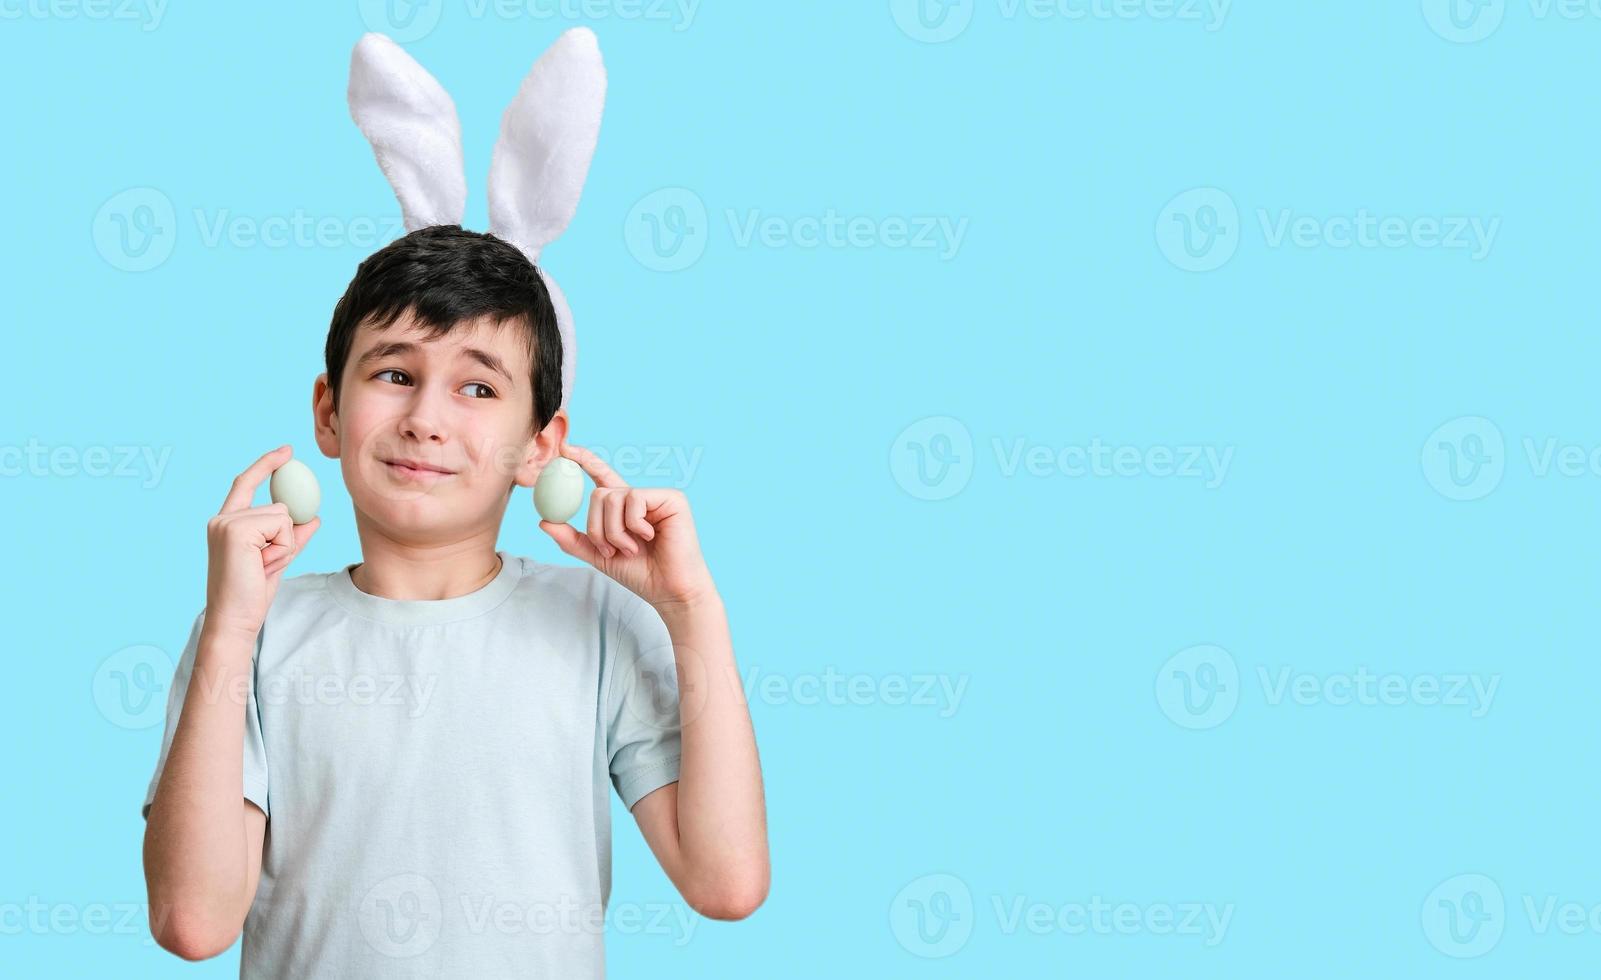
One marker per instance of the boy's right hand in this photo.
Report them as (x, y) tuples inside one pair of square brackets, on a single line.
[(249, 549)]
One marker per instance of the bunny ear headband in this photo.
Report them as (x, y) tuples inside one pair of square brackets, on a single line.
[(547, 139)]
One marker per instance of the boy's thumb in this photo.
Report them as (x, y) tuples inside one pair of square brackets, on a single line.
[(563, 534)]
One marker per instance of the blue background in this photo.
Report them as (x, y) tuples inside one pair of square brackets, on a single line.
[(854, 407)]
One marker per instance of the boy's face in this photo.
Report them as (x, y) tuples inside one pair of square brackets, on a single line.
[(431, 435)]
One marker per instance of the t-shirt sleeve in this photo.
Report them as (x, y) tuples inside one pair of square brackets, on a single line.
[(255, 751), (643, 737)]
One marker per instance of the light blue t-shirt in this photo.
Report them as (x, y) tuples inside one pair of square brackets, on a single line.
[(436, 774)]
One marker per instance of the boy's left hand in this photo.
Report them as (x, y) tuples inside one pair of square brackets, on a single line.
[(643, 537)]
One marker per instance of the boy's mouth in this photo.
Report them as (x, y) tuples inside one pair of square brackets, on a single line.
[(411, 469)]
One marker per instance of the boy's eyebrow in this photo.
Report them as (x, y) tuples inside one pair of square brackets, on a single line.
[(397, 348), (394, 348)]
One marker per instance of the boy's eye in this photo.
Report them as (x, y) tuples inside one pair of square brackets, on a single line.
[(488, 392)]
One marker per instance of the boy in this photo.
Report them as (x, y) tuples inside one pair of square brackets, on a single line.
[(401, 768)]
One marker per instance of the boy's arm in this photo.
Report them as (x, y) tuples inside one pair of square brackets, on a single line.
[(709, 829), (203, 839), (202, 852)]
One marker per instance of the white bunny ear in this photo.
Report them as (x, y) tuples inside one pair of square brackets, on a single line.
[(547, 139), (411, 123)]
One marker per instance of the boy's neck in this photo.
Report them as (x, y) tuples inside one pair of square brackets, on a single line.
[(391, 570)]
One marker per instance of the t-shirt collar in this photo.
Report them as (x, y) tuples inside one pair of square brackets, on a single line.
[(427, 612)]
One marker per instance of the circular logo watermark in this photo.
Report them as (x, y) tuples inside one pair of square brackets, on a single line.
[(401, 916), (1464, 916), (932, 459), (375, 480), (402, 20), (667, 229), (650, 688), (932, 21), (932, 916), (1464, 21), (1198, 687), (130, 686), (1199, 230), (1465, 458), (136, 229)]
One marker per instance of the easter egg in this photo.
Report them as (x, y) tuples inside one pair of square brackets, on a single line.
[(559, 491), (295, 486)]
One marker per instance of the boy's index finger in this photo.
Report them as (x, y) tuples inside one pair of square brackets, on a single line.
[(245, 484), (603, 475)]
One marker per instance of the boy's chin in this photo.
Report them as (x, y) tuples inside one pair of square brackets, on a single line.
[(413, 511)]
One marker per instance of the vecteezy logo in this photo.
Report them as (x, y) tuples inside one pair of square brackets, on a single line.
[(932, 21), (136, 229), (1464, 21), (933, 916), (130, 686), (1465, 458), (932, 458), (1199, 230), (401, 915), (402, 20), (1464, 916), (667, 230), (653, 692), (1198, 687)]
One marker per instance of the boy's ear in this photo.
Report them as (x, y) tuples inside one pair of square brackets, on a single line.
[(324, 421), (541, 449)]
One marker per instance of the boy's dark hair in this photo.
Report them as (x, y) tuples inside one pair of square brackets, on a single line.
[(447, 275)]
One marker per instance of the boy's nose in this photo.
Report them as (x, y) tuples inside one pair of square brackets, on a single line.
[(419, 428), (419, 422)]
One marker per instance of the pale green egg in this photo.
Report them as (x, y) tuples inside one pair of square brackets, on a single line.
[(295, 486), (559, 491)]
